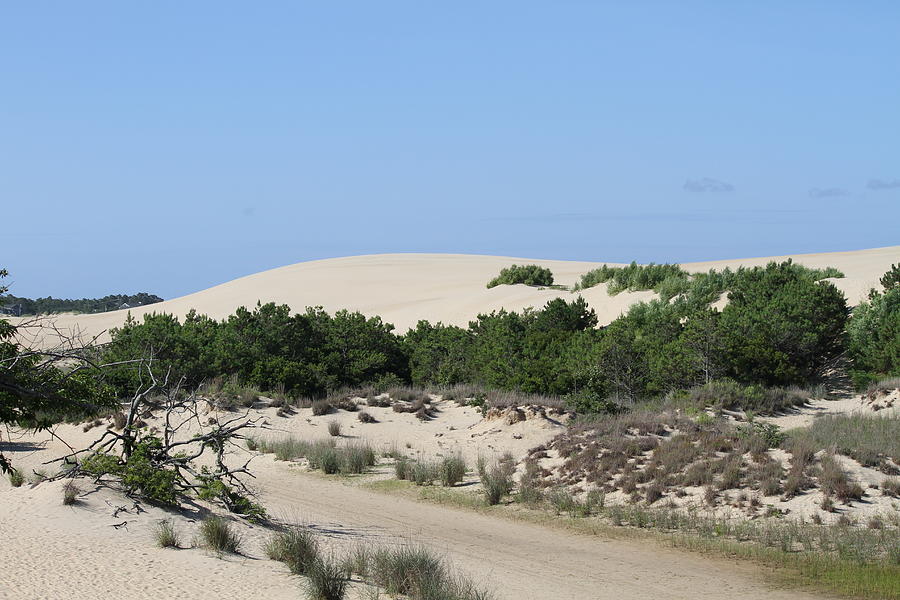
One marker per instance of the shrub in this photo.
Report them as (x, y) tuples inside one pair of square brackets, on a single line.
[(166, 536), (528, 489), (452, 470), (423, 472), (70, 492), (365, 417), (16, 479), (527, 274), (334, 428), (866, 438), (321, 407), (355, 458), (296, 547), (637, 277), (402, 468), (891, 487), (217, 535), (326, 580)]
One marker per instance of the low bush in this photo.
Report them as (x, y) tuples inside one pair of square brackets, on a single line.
[(365, 417), (835, 482), (527, 274), (334, 428), (321, 407), (165, 534), (217, 535)]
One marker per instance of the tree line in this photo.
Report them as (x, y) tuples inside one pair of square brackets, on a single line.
[(781, 327)]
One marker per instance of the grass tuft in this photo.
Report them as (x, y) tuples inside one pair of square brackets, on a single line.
[(217, 535), (165, 534)]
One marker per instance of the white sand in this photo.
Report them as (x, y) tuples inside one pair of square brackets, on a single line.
[(404, 288)]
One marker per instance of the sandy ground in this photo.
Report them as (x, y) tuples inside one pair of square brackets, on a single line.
[(54, 551), (404, 288)]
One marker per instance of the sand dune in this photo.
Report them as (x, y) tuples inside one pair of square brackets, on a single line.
[(404, 288)]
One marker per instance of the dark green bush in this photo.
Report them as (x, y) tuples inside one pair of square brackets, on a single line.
[(527, 274)]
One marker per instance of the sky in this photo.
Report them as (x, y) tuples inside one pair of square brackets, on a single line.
[(170, 146)]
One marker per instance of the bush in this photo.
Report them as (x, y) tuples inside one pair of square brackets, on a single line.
[(334, 428), (527, 274), (166, 536), (70, 492), (365, 417), (636, 277), (452, 470), (321, 407), (217, 535), (874, 336), (297, 548)]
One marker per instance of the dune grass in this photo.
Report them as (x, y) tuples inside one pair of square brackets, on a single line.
[(165, 534), (865, 438), (325, 455), (297, 547), (217, 535)]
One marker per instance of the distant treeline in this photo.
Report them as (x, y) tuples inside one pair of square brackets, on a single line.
[(780, 327), (41, 306)]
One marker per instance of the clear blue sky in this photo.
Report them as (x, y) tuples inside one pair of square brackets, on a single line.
[(170, 146)]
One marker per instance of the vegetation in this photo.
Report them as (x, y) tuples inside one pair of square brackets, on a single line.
[(71, 491), (50, 305), (297, 547), (874, 337), (354, 458), (217, 535), (166, 536), (527, 274), (326, 580), (16, 479), (633, 277), (871, 440)]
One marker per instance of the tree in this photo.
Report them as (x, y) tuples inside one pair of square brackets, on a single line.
[(781, 327), (874, 335), (891, 279), (39, 388)]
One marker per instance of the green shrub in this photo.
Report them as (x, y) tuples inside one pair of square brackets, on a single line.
[(497, 479), (139, 475), (527, 274), (867, 439), (216, 534), (166, 536), (296, 547), (334, 428), (635, 277)]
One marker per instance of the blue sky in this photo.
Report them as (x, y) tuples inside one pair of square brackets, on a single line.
[(170, 146)]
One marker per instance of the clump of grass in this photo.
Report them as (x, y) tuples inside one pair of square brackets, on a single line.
[(497, 479), (355, 458), (334, 428), (166, 536), (326, 580), (528, 491), (296, 547), (70, 492), (16, 479), (452, 470), (252, 444), (423, 472), (216, 534), (891, 487), (869, 439), (834, 481), (365, 417)]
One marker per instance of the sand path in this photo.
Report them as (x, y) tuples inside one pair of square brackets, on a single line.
[(518, 560)]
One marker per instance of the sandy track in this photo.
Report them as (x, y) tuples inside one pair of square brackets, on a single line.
[(518, 560)]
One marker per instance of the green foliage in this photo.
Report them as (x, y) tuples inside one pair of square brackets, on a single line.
[(731, 395), (138, 473), (527, 274), (16, 479), (452, 470), (780, 327), (874, 336), (213, 489), (38, 390), (327, 580), (635, 277), (891, 279), (50, 305)]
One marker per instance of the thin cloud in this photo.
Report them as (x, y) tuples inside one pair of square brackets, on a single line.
[(883, 184), (828, 192), (707, 184)]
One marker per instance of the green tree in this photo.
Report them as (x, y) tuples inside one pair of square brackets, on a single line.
[(781, 327), (874, 335)]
